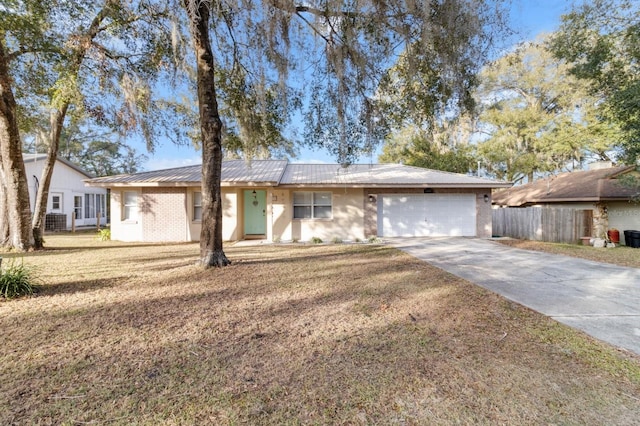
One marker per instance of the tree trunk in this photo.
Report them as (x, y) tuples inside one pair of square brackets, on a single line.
[(56, 124), (42, 196), (211, 252), (4, 215), (12, 170)]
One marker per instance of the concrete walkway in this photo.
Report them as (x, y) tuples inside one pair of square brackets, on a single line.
[(600, 299)]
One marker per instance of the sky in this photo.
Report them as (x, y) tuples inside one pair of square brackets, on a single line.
[(529, 17)]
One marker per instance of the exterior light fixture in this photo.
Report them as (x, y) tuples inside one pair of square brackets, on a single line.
[(372, 198), (486, 198)]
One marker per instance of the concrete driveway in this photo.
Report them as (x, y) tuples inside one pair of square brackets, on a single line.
[(600, 299)]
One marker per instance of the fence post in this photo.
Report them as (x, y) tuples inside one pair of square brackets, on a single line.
[(73, 222), (98, 219)]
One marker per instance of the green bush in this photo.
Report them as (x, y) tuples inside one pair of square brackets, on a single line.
[(17, 280), (104, 234), (336, 240), (316, 240)]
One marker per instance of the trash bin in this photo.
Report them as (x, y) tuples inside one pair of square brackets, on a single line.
[(634, 240), (627, 237)]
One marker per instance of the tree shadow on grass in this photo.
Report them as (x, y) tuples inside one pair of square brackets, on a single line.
[(261, 367), (303, 254), (79, 286), (77, 249)]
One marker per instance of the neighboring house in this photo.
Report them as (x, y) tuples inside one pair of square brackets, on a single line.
[(278, 201), (68, 194), (599, 190)]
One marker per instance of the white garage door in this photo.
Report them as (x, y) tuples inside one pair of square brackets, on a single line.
[(427, 215)]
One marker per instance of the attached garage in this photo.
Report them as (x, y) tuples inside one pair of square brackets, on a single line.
[(427, 215), (301, 202)]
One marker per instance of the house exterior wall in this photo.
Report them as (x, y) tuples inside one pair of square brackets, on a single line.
[(280, 205), (163, 213), (193, 226), (66, 183), (347, 222), (167, 214), (124, 230), (230, 214), (623, 216), (577, 206)]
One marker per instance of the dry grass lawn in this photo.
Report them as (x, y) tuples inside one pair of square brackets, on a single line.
[(620, 255), (331, 334)]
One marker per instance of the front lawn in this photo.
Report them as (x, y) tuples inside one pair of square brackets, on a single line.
[(323, 334), (619, 255)]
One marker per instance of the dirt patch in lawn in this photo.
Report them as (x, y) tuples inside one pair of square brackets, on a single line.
[(329, 334), (620, 255)]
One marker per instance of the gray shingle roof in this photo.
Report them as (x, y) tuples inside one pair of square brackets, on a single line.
[(279, 172)]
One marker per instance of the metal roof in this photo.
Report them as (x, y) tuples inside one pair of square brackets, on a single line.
[(257, 172), (280, 173), (379, 175)]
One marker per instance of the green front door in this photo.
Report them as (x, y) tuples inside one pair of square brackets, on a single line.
[(255, 212)]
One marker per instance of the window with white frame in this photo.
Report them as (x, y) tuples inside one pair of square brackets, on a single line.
[(89, 206), (102, 204), (130, 205), (77, 206), (312, 205), (56, 202), (197, 206)]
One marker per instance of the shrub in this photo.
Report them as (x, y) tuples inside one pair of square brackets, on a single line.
[(374, 239), (104, 234), (316, 240), (336, 240), (17, 280)]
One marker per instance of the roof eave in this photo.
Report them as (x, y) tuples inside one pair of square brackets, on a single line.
[(393, 185), (174, 184)]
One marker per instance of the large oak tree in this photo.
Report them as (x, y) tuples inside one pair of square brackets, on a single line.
[(14, 193), (331, 56), (600, 40), (538, 117)]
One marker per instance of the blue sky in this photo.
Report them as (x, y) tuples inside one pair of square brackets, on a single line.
[(529, 17)]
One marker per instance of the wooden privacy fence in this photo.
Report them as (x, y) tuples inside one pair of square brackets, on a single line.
[(556, 225)]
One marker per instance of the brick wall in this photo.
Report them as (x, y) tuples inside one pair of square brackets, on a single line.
[(164, 214)]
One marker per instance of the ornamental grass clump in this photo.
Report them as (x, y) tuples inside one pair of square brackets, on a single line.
[(104, 234), (16, 280)]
